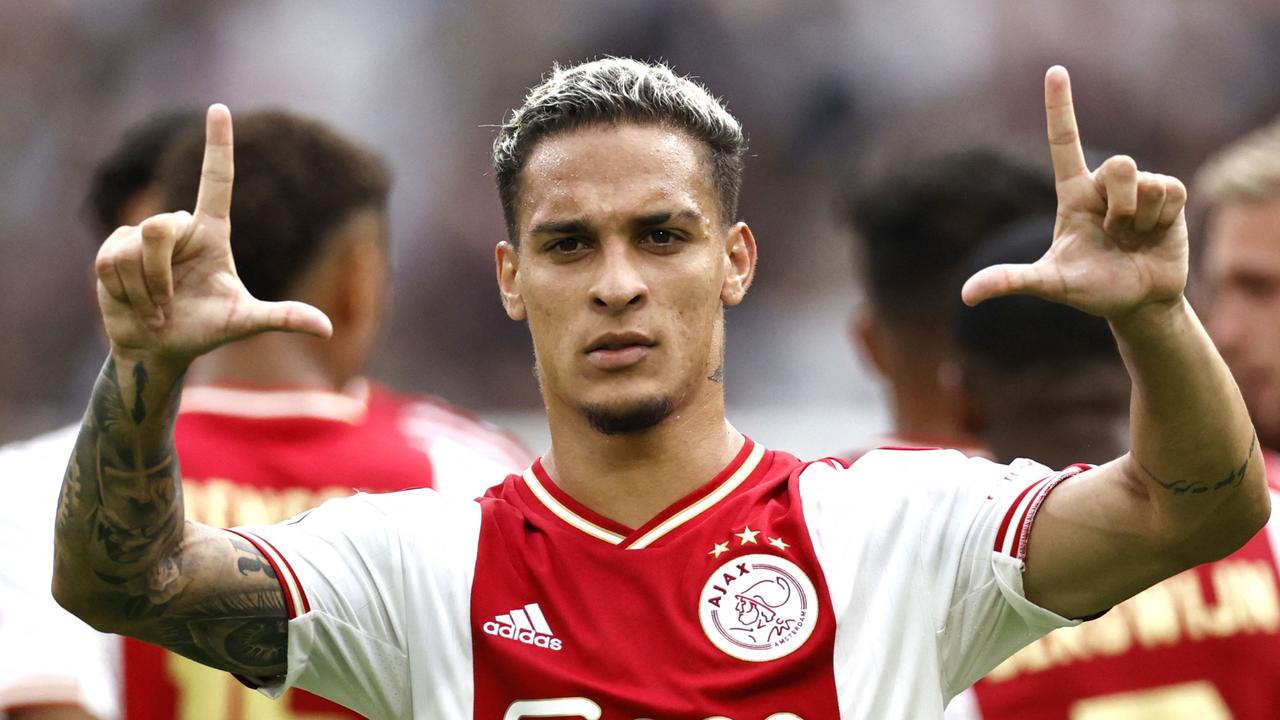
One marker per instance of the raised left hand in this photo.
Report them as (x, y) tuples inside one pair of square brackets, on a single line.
[(1120, 240)]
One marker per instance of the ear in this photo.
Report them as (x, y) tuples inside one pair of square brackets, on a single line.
[(740, 264), (507, 260), (865, 335)]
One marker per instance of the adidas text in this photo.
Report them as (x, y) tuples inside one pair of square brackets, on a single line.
[(528, 637)]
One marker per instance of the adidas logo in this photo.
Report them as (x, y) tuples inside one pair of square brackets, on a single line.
[(527, 625)]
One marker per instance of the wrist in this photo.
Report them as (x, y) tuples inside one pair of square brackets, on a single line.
[(1151, 318), (157, 364)]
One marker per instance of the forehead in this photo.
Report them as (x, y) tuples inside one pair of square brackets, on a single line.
[(1245, 235), (614, 171)]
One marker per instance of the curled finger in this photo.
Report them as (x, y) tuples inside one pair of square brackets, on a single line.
[(1151, 196), (1175, 200), (160, 235), (128, 263), (104, 266), (1118, 180)]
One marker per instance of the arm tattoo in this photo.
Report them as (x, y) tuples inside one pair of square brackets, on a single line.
[(1231, 481), (120, 538)]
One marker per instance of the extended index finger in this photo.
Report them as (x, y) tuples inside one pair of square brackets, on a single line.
[(1064, 136), (214, 196)]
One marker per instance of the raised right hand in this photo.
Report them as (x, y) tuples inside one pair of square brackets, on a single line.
[(168, 288)]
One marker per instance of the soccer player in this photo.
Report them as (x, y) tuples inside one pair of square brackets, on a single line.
[(655, 562), (914, 218), (276, 424), (1038, 379), (1205, 643)]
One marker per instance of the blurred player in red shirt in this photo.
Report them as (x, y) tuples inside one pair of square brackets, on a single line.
[(915, 216), (277, 424), (1204, 644)]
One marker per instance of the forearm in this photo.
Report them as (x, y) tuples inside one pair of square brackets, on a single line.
[(1194, 451), (120, 517)]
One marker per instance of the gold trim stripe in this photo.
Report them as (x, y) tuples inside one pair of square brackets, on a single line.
[(713, 497)]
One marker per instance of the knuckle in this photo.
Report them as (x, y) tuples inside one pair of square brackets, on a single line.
[(105, 262)]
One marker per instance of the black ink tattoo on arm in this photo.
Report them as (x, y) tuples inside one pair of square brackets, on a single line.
[(1231, 481), (130, 561), (718, 375)]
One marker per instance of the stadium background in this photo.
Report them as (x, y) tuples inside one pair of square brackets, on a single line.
[(818, 84)]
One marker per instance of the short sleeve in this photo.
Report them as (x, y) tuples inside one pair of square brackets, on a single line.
[(342, 569), (969, 520), (47, 655)]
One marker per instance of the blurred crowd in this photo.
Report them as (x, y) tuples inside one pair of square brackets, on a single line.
[(818, 86)]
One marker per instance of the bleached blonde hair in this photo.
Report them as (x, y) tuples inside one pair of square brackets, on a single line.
[(619, 90), (1247, 170)]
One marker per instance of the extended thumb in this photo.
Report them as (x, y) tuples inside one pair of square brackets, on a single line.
[(288, 316), (997, 281)]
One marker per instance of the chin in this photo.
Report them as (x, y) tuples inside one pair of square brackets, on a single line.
[(628, 417)]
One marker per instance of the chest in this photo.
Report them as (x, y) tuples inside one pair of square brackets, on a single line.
[(730, 618)]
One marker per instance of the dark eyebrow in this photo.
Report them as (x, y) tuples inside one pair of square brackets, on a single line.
[(560, 227), (664, 217)]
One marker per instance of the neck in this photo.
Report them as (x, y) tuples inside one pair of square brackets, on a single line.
[(632, 477), (267, 360), (923, 412)]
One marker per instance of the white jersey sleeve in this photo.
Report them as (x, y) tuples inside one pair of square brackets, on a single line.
[(342, 568), (951, 528), (47, 655)]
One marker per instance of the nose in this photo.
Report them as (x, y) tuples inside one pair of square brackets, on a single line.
[(619, 284)]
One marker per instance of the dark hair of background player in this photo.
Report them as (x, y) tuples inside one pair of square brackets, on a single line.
[(918, 218), (131, 167), (1012, 333), (296, 181)]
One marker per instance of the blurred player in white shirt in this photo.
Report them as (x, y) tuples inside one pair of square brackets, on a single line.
[(685, 571), (55, 667)]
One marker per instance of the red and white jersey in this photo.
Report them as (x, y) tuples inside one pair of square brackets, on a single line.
[(1204, 644), (778, 590)]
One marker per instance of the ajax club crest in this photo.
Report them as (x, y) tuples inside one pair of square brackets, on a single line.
[(758, 607)]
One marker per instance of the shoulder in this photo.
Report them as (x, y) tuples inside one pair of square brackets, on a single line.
[(918, 486), (402, 507), (907, 470)]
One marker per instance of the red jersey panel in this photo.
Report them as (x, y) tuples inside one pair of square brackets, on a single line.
[(1204, 644), (252, 457), (746, 565)]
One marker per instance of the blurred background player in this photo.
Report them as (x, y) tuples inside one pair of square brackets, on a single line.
[(1037, 379), (914, 217), (52, 666), (310, 225), (1204, 644)]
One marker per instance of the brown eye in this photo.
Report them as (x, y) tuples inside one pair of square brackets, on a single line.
[(567, 246), (661, 238)]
